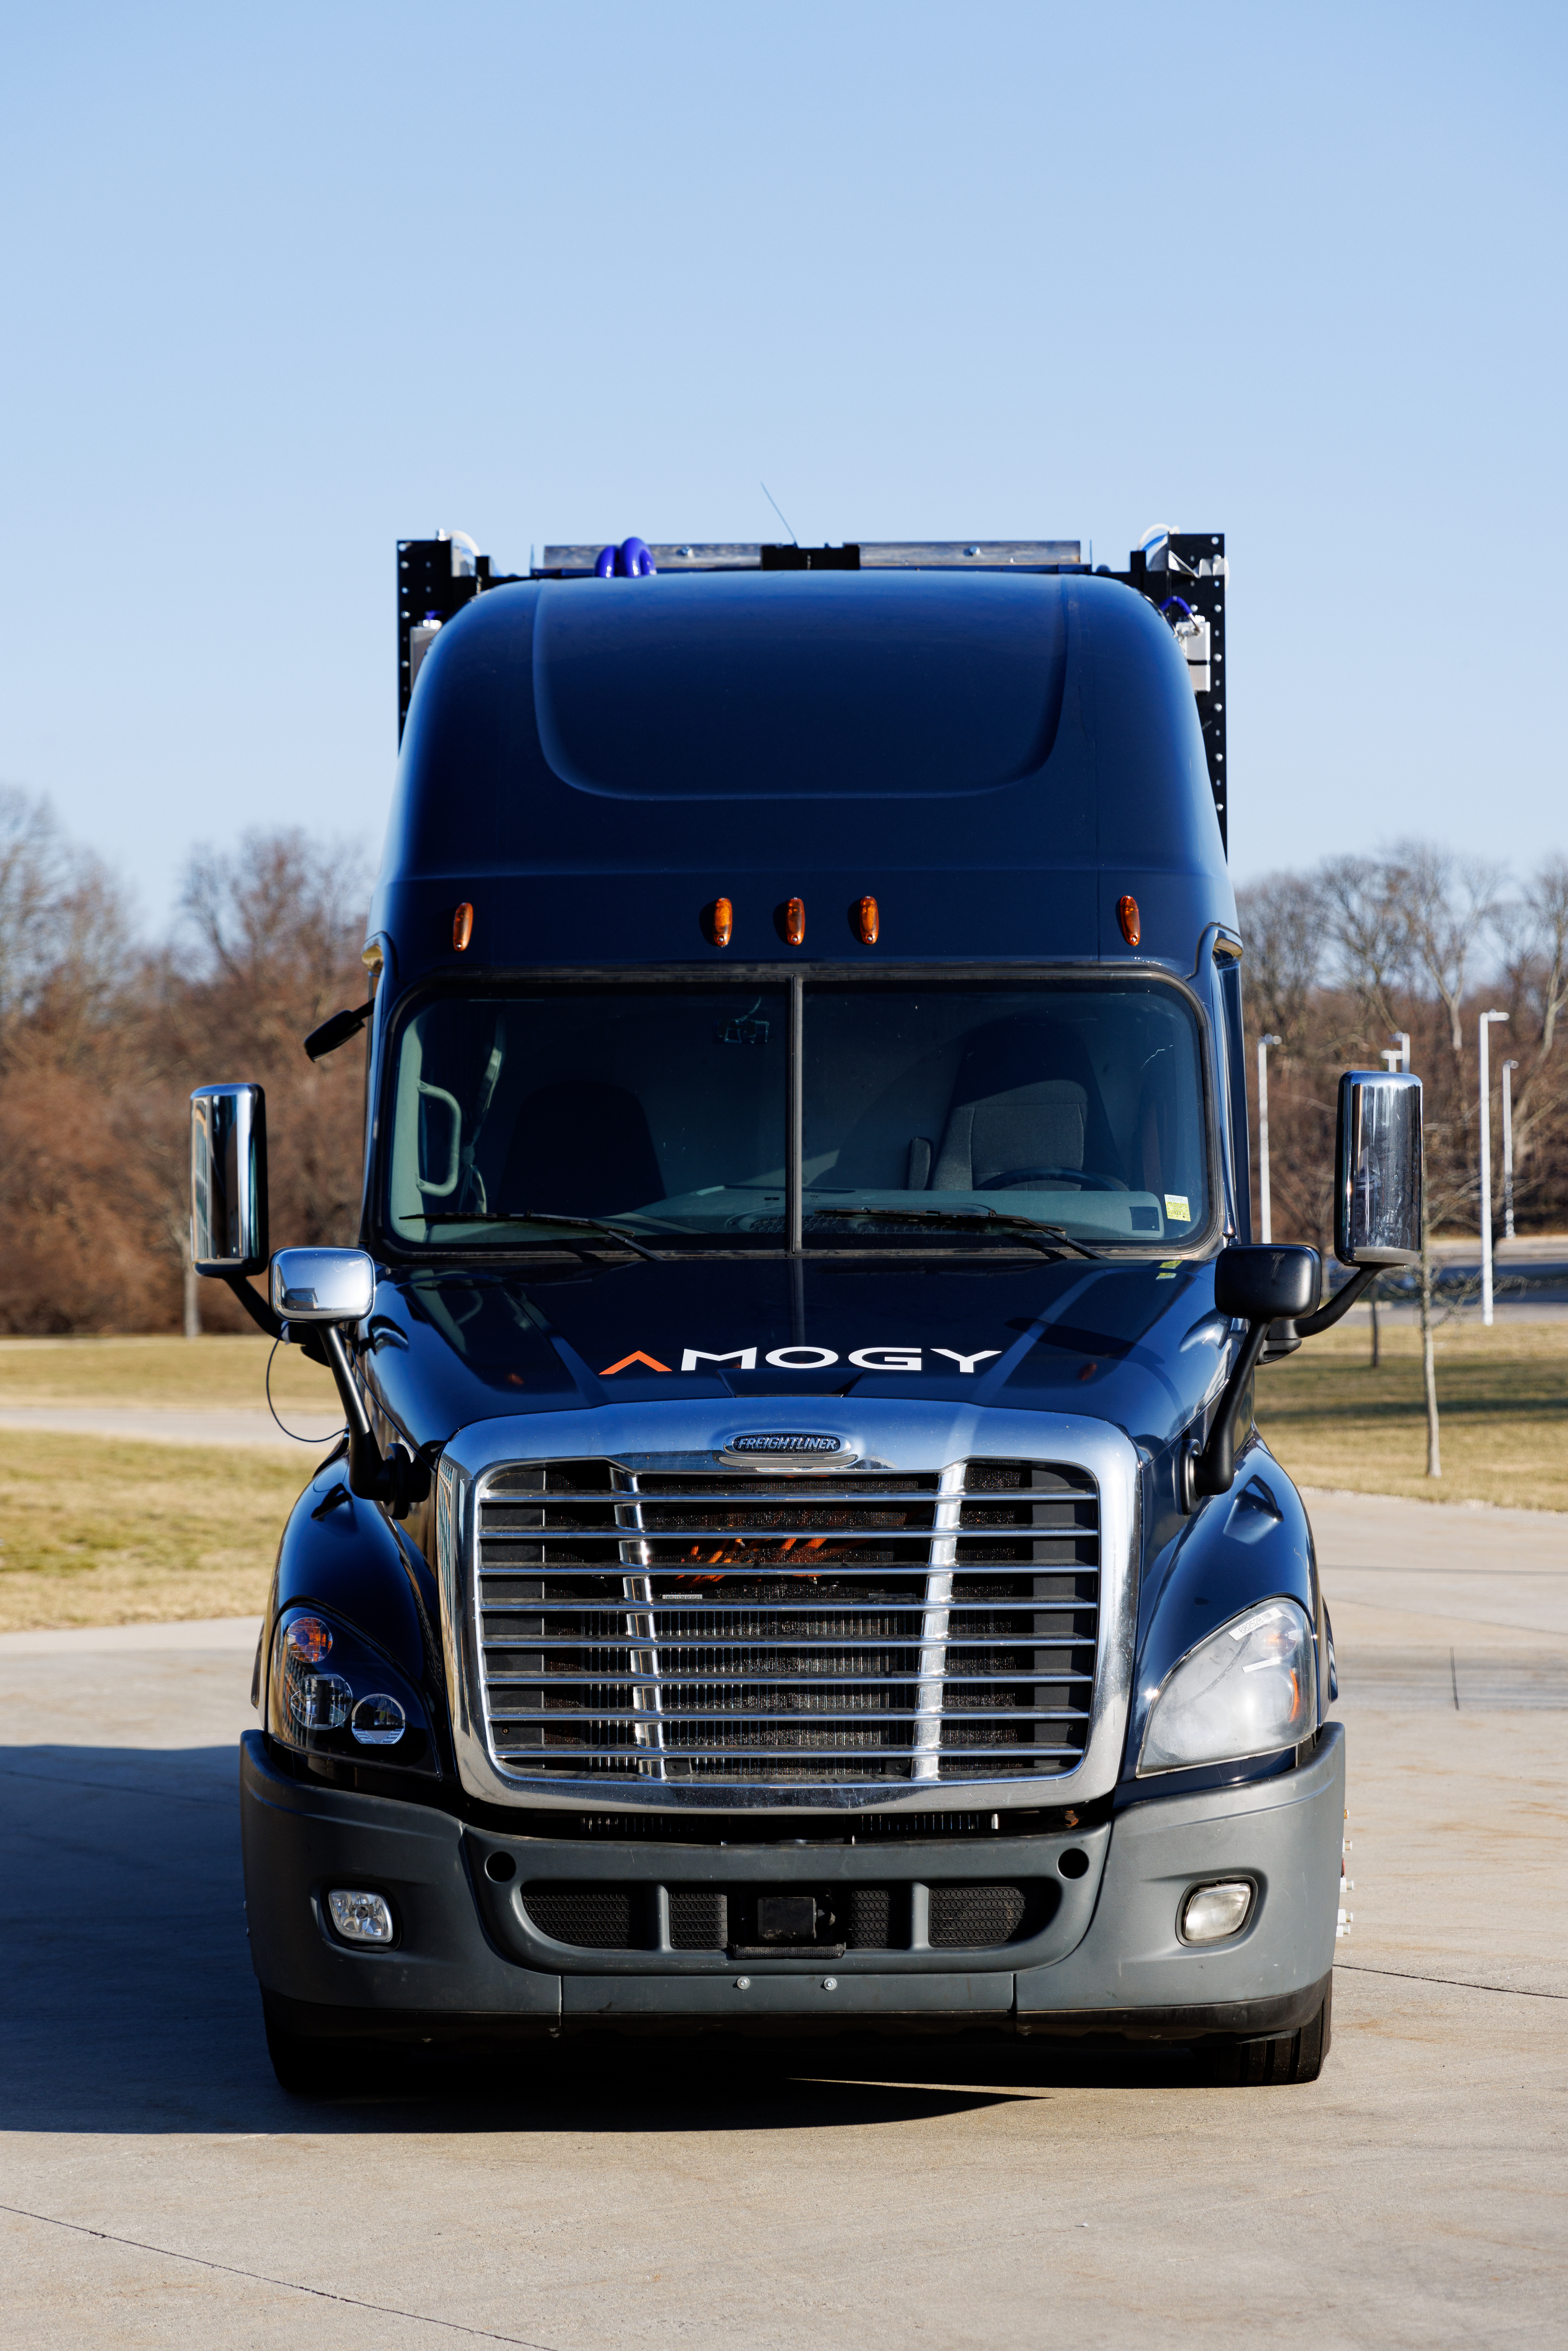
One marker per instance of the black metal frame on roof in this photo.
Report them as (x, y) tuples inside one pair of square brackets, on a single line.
[(1190, 567)]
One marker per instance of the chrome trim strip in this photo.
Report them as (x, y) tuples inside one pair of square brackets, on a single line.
[(934, 1624), (647, 1697), (910, 1438)]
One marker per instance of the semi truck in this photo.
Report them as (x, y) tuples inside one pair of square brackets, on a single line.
[(801, 1557)]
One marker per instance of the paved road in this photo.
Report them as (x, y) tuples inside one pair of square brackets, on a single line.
[(171, 1425), (158, 2189)]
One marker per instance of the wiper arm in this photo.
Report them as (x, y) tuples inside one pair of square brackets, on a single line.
[(1052, 1238), (540, 1217)]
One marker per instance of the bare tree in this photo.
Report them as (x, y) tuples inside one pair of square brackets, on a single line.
[(1448, 903), (1282, 923), (1364, 926), (1533, 929), (63, 932), (1547, 899), (278, 924)]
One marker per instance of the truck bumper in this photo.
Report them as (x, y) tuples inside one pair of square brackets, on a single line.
[(1098, 1953)]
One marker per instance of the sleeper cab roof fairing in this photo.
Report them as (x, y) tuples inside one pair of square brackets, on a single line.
[(1000, 758)]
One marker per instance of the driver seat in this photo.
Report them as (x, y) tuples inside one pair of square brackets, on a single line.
[(1041, 1125), (1024, 1096)]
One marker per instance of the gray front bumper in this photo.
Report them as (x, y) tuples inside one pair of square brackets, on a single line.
[(1108, 1960)]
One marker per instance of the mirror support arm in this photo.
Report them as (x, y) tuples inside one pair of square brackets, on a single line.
[(1308, 1326), (1210, 1465), (1213, 1463), (260, 1312), (398, 1480)]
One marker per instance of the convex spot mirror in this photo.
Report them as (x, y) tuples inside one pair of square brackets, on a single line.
[(1261, 1283), (228, 1180), (1377, 1191), (323, 1285)]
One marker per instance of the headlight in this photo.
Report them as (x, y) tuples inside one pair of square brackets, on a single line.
[(330, 1693), (1248, 1689)]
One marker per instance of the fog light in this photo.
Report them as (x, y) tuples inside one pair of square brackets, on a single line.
[(378, 1720), (1210, 1913), (319, 1701), (360, 1917)]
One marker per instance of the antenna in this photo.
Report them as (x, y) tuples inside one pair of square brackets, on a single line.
[(779, 512)]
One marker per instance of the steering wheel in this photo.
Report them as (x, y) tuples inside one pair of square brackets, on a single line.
[(1016, 1177)]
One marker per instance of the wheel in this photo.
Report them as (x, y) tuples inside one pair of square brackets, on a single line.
[(1291, 2057), (308, 2067)]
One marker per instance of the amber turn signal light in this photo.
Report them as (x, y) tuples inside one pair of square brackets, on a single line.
[(462, 926), (867, 921), (1127, 915), (718, 923), (794, 922)]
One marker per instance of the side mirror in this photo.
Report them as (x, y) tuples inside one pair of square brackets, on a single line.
[(1262, 1283), (228, 1180), (323, 1285), (1377, 1194)]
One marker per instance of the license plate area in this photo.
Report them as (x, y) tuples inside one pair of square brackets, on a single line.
[(774, 1926)]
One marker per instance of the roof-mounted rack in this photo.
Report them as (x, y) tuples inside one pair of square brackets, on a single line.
[(930, 555), (1182, 573)]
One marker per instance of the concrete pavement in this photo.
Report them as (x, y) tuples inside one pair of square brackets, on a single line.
[(223, 1424), (158, 2189)]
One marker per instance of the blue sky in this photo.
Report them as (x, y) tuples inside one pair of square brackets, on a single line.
[(282, 286)]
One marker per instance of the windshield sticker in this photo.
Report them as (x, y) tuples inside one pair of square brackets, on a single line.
[(1178, 1209), (813, 1359)]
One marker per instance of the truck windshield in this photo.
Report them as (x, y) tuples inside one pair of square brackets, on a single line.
[(664, 1109)]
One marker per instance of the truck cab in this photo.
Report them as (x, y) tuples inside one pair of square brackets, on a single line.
[(801, 1557)]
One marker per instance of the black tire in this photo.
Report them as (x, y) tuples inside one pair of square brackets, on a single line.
[(308, 2067), (1291, 2057)]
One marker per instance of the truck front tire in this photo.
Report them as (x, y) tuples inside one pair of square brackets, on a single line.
[(1290, 2057), (310, 2067)]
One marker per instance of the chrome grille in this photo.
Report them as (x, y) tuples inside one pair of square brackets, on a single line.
[(859, 1626)]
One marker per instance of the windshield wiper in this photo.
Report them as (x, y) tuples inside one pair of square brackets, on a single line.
[(987, 1219), (540, 1217)]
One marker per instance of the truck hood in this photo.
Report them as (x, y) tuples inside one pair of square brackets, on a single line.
[(1139, 1346)]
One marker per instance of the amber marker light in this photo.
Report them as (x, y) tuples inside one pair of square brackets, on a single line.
[(718, 922), (867, 921), (1127, 915), (463, 926), (794, 922)]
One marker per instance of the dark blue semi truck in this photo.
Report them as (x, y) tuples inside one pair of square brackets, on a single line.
[(801, 1558)]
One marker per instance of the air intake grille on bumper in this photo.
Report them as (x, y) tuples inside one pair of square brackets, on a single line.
[(856, 1626)]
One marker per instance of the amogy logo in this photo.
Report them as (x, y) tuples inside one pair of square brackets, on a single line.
[(811, 1359)]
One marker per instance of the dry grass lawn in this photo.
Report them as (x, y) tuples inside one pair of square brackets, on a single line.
[(94, 1531), (185, 1374), (1502, 1401), (99, 1533)]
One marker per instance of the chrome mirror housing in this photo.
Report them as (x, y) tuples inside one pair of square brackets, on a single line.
[(228, 1180), (1377, 1190), (323, 1285)]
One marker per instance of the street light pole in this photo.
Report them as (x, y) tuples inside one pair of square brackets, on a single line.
[(1263, 1045), (1508, 1070), (1485, 1027)]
